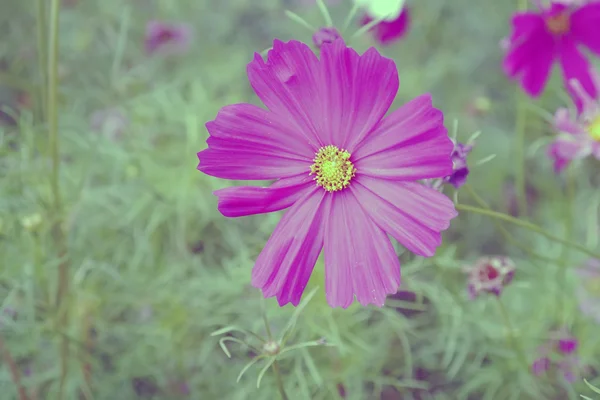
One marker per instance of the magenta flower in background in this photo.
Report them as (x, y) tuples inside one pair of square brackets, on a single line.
[(345, 172), (588, 294), (559, 354), (579, 135), (540, 37), (387, 32), (167, 38), (325, 35), (489, 274)]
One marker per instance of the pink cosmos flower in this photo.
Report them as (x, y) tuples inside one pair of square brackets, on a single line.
[(387, 32), (345, 172), (167, 38), (539, 38), (579, 136)]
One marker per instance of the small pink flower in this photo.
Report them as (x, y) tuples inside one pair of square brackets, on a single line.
[(541, 37), (579, 135), (489, 275), (588, 294), (325, 35), (346, 173), (559, 354), (567, 345), (167, 38), (387, 32)]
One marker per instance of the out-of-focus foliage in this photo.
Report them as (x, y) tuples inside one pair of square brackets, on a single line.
[(155, 270)]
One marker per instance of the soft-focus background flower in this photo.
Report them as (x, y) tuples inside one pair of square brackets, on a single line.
[(154, 269)]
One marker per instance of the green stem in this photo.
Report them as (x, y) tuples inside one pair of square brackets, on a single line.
[(58, 234), (520, 155), (507, 235), (512, 336), (526, 225), (42, 53), (279, 380), (569, 199), (276, 369)]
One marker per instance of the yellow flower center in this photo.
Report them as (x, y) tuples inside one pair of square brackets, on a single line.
[(592, 286), (594, 129), (333, 168)]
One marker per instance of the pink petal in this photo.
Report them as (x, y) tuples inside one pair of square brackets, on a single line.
[(565, 149), (359, 258), (409, 144), (584, 26), (410, 212), (358, 92), (290, 85), (247, 142), (249, 200), (531, 57), (575, 66), (284, 266), (564, 123), (387, 32)]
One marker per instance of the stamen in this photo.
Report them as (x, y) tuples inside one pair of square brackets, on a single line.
[(594, 128), (333, 168)]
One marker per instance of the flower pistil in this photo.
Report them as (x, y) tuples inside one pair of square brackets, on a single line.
[(332, 168)]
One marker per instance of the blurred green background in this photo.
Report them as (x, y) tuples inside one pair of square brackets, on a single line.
[(154, 269)]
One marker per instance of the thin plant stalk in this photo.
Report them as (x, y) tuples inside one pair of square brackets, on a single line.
[(42, 54), (527, 225), (275, 365), (507, 235), (57, 232), (15, 375), (512, 335), (562, 269)]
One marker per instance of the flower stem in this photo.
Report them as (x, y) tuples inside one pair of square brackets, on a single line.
[(42, 54), (279, 380), (507, 235), (512, 335), (275, 365), (526, 225), (569, 199), (14, 370), (53, 139)]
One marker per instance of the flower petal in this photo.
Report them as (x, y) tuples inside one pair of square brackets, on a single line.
[(289, 84), (530, 55), (359, 258), (249, 200), (247, 142), (566, 148), (352, 105), (285, 264), (576, 66), (409, 144), (564, 124), (584, 26), (410, 212)]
